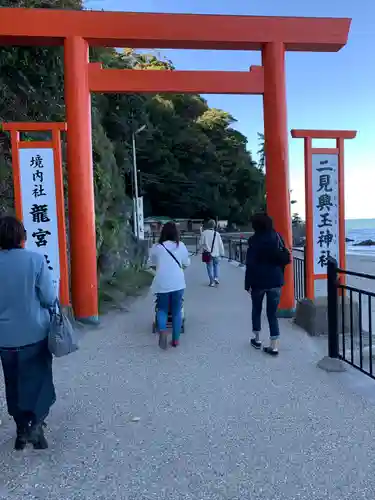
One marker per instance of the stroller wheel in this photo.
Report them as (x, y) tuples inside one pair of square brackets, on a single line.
[(163, 340)]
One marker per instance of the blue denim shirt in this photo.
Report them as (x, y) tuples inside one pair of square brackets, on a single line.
[(26, 293)]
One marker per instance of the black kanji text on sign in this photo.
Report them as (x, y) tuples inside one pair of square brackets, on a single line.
[(325, 238), (323, 258), (39, 191), (41, 237), (36, 162), (39, 213), (48, 262), (38, 176)]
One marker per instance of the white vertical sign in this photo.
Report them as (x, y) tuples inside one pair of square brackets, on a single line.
[(325, 209), (39, 210), (141, 223)]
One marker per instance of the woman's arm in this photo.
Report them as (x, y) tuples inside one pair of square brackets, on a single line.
[(185, 259), (201, 242), (221, 246), (47, 292), (152, 260)]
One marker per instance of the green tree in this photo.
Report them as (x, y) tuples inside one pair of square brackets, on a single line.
[(261, 151)]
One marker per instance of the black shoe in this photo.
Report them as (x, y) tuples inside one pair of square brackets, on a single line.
[(21, 439), (37, 437), (257, 344), (272, 352)]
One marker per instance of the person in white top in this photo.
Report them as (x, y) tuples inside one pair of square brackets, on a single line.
[(169, 257), (212, 248)]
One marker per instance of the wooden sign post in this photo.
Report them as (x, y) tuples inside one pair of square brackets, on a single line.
[(325, 203), (39, 196)]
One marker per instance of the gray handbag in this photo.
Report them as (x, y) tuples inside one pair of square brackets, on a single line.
[(62, 339)]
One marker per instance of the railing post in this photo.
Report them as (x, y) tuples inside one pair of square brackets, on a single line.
[(229, 249), (241, 256), (333, 334), (332, 363)]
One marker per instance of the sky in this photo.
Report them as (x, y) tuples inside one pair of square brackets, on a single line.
[(324, 90)]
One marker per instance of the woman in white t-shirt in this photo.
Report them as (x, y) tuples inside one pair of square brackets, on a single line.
[(169, 257)]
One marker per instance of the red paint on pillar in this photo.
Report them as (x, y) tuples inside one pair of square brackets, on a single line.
[(309, 248), (15, 139), (81, 182), (342, 232), (277, 162)]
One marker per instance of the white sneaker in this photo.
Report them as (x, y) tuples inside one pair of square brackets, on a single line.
[(211, 285), (217, 281)]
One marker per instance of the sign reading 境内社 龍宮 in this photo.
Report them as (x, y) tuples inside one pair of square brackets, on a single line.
[(39, 209), (325, 199)]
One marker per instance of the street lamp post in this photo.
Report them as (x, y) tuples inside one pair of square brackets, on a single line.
[(135, 176)]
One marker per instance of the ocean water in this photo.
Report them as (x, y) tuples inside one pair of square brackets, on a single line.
[(360, 230)]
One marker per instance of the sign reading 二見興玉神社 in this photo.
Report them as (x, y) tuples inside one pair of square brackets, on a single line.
[(325, 199), (39, 209)]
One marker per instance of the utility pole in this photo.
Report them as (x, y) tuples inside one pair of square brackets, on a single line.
[(135, 177)]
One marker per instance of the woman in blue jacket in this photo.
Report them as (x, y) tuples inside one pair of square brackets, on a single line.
[(266, 259), (26, 294)]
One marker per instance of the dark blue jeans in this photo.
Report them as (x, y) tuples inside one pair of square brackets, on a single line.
[(273, 299), (172, 302)]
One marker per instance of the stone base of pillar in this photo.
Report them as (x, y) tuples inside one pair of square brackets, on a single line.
[(286, 313), (91, 321), (331, 365)]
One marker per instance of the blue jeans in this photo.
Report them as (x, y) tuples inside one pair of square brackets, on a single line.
[(172, 302), (213, 269), (273, 299)]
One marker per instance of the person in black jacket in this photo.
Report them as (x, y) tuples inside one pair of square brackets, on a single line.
[(265, 261)]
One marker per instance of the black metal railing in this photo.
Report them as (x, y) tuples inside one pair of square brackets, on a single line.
[(350, 315), (235, 249), (299, 272), (191, 240)]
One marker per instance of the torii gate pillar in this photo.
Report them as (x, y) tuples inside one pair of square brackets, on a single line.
[(277, 161), (81, 181)]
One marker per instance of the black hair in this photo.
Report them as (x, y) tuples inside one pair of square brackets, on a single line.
[(261, 223), (12, 233), (169, 232)]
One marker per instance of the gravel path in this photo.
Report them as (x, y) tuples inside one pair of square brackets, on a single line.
[(213, 419)]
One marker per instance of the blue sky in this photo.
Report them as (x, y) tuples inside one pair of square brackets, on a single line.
[(325, 91)]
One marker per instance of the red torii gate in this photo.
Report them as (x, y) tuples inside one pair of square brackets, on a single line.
[(77, 30)]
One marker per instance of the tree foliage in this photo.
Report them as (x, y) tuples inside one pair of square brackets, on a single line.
[(192, 162)]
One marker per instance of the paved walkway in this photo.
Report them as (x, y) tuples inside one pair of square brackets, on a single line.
[(217, 420)]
